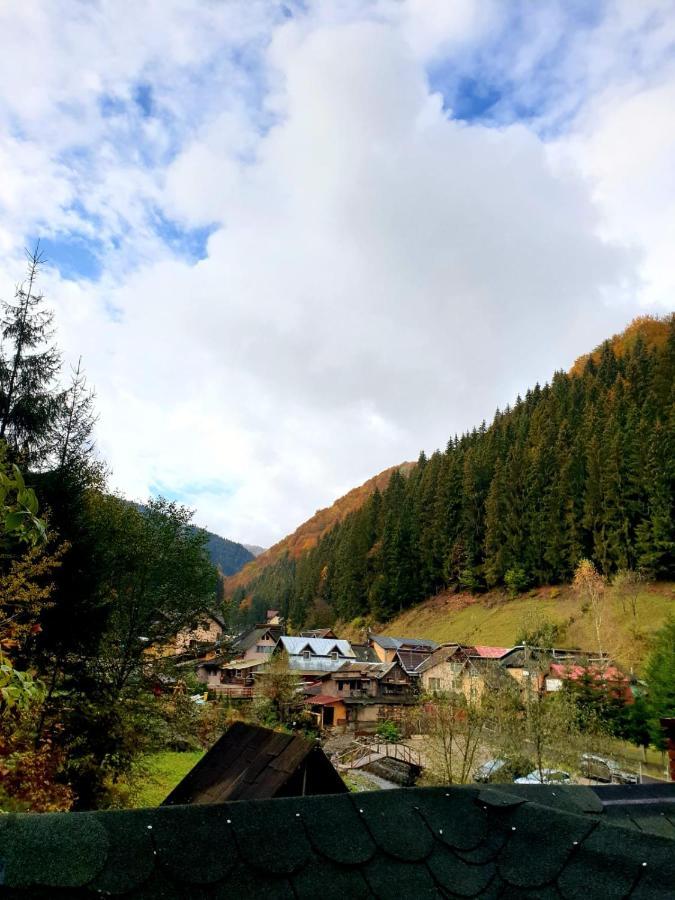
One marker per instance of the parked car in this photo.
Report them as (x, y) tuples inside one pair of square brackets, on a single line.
[(600, 768), (545, 776), (490, 770), (503, 769)]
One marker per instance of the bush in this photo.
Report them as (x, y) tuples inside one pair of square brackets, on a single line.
[(388, 731)]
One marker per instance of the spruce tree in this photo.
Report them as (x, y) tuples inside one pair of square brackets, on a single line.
[(30, 404)]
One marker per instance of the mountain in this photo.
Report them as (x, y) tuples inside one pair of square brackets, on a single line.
[(254, 549), (582, 467), (229, 556), (308, 534)]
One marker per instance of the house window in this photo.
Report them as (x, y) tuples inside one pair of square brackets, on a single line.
[(434, 684), (306, 654), (334, 654), (341, 685)]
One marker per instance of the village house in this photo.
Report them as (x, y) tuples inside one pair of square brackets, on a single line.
[(329, 711), (314, 656), (257, 643), (454, 669), (361, 695), (208, 631), (386, 647), (234, 676)]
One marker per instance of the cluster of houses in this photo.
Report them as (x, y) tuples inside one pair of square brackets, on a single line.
[(352, 686)]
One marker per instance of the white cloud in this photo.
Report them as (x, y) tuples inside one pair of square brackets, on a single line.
[(379, 275)]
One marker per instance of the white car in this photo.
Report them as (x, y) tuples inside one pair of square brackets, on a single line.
[(489, 769), (545, 776)]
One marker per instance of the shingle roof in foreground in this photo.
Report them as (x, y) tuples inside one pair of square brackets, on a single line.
[(518, 841)]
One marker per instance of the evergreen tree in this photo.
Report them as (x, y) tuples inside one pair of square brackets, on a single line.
[(29, 363)]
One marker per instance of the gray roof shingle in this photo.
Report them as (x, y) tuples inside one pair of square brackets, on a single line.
[(411, 843)]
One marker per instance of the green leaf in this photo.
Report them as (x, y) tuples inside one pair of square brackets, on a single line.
[(14, 521), (18, 477)]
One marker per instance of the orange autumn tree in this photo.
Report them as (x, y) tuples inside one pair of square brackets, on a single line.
[(28, 766)]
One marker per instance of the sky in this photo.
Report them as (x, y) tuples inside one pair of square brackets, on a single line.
[(297, 242)]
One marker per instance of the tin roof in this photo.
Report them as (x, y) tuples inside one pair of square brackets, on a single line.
[(394, 643), (322, 700), (294, 646), (244, 663)]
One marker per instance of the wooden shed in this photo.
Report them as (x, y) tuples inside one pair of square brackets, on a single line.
[(253, 763)]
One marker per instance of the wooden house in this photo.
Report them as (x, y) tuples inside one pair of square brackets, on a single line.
[(256, 643), (369, 692), (253, 763), (453, 669)]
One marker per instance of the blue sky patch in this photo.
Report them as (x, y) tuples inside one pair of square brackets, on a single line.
[(143, 98), (74, 257), (189, 243), (184, 493)]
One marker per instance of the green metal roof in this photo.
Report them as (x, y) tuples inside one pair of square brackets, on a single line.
[(535, 841)]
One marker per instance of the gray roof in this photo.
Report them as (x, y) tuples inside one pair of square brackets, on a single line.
[(295, 646), (315, 663), (394, 643), (250, 638)]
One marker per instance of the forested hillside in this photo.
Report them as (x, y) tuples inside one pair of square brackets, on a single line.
[(581, 467), (229, 556), (310, 532)]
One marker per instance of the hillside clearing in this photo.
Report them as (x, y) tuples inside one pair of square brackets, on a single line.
[(494, 619)]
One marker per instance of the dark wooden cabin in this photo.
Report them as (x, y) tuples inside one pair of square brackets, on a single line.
[(253, 763)]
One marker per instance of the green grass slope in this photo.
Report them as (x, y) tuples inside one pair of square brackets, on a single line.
[(496, 620)]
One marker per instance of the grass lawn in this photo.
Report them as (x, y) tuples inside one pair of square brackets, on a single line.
[(162, 773)]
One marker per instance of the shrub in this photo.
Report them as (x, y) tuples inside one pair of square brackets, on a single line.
[(388, 731)]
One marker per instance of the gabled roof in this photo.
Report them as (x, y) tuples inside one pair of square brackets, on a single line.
[(249, 762), (411, 660), (250, 638), (517, 842), (319, 633), (394, 643), (440, 655), (295, 646)]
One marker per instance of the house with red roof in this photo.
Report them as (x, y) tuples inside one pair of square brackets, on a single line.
[(607, 678)]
